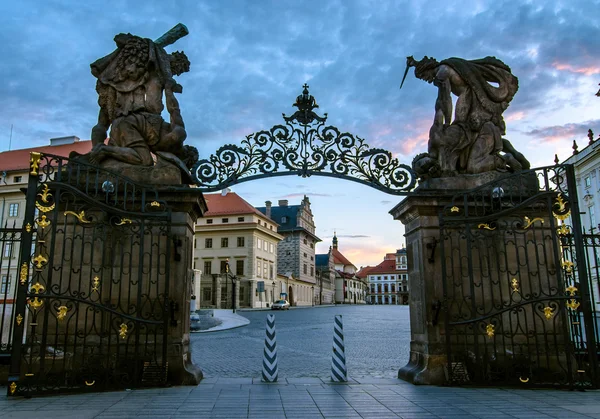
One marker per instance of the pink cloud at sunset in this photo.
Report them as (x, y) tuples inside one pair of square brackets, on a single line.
[(365, 254), (588, 71), (558, 133), (514, 116)]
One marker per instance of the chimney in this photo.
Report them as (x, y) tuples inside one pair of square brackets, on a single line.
[(64, 140), (268, 211), (283, 202)]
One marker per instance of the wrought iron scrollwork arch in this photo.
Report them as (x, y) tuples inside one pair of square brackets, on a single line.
[(304, 146)]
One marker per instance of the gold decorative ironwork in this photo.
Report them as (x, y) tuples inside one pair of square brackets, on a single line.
[(79, 216), (573, 304), (62, 312), (529, 223), (154, 204), (96, 284), (39, 261), (38, 288), (524, 380), (43, 222), (571, 290), (35, 303), (454, 209), (563, 230), (490, 330), (90, 383), (514, 284), (23, 273), (567, 265), (486, 227), (13, 385), (562, 213), (45, 193), (44, 209), (124, 221), (548, 312), (28, 228), (35, 162), (123, 331), (19, 319)]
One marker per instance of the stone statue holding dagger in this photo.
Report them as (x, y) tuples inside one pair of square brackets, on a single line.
[(470, 141)]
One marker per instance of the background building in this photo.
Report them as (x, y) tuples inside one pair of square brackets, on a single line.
[(388, 281), (325, 288), (296, 252), (349, 288), (233, 233)]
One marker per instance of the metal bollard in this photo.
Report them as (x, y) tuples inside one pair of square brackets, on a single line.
[(269, 371), (338, 359)]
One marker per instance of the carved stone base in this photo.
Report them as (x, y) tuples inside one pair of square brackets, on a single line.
[(162, 173), (424, 369)]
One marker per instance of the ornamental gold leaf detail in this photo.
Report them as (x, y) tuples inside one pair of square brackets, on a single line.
[(39, 261), (571, 290), (514, 283), (490, 330), (567, 265), (13, 385), (23, 273), (62, 312), (154, 204), (45, 194), (548, 312), (486, 227), (28, 228), (123, 331), (34, 162), (455, 209), (43, 222), (80, 216), (573, 304), (124, 221), (529, 222), (19, 319), (96, 284), (36, 303), (561, 211)]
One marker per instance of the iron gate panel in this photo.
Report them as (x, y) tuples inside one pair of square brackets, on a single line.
[(10, 240), (516, 284), (94, 294)]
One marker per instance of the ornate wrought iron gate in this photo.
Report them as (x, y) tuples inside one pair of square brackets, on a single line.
[(517, 271), (92, 297)]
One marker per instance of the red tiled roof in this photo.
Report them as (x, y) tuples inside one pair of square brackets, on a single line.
[(364, 271), (390, 256), (19, 159), (385, 267), (230, 204), (339, 258)]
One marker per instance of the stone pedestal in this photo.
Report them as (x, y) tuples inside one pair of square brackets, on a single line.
[(186, 206), (420, 216)]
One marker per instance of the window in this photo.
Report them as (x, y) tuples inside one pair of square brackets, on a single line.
[(271, 248), (312, 258), (207, 295), (208, 267), (305, 242), (224, 266), (312, 271), (209, 221), (265, 270), (379, 278), (588, 182), (239, 267), (18, 179), (225, 220), (271, 269), (592, 213), (259, 243), (305, 255), (194, 243), (240, 219), (258, 267), (305, 269), (5, 284), (224, 242), (8, 250), (13, 210), (241, 242), (208, 243), (283, 220), (312, 246)]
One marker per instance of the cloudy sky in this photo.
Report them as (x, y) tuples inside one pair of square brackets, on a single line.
[(249, 60)]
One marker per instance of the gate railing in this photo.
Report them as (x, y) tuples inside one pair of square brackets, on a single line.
[(517, 273), (10, 240)]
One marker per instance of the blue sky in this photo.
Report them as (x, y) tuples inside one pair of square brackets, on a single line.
[(249, 60)]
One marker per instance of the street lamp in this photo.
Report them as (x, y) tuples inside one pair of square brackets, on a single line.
[(233, 280), (273, 295), (313, 295)]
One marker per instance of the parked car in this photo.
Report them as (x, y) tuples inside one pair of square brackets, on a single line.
[(280, 305)]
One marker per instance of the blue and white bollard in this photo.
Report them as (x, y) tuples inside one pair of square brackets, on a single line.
[(269, 371), (338, 360)]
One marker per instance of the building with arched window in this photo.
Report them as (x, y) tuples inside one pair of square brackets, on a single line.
[(388, 281)]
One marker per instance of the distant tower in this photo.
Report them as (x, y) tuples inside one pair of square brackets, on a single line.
[(335, 241)]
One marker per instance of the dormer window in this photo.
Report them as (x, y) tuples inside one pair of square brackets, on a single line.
[(284, 219)]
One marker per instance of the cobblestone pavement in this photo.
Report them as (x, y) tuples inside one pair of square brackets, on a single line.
[(233, 398), (376, 339)]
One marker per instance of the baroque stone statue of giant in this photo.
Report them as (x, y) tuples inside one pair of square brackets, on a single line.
[(472, 142), (130, 83)]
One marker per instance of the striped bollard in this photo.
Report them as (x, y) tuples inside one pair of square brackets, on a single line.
[(338, 360), (269, 371)]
